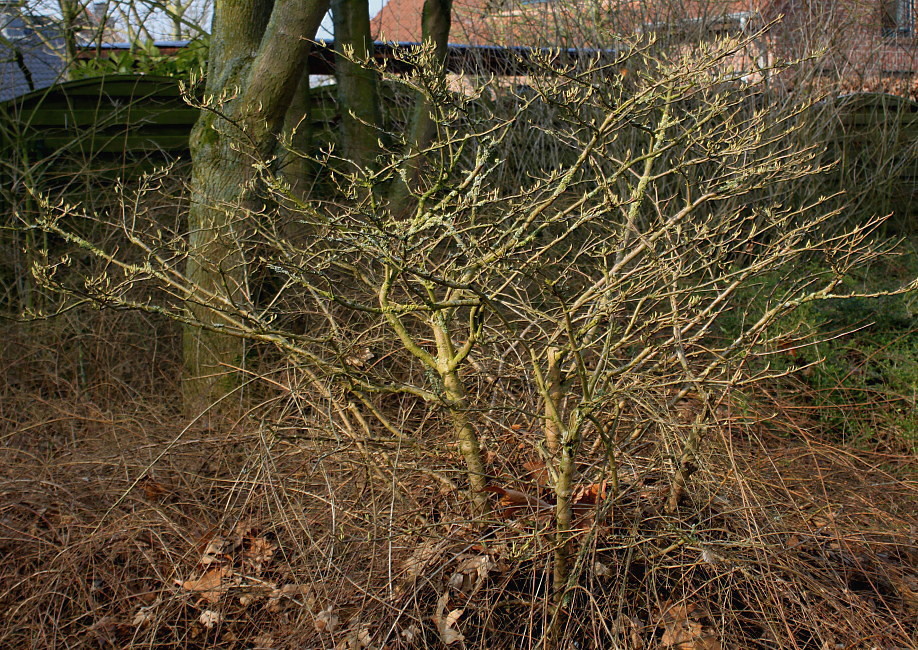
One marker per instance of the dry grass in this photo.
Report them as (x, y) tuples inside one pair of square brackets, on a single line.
[(122, 524)]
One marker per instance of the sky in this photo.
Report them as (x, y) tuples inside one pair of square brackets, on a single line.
[(159, 26), (325, 31)]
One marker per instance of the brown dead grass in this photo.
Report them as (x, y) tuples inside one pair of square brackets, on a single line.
[(122, 524)]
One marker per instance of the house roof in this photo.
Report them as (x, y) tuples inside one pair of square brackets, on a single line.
[(550, 23), (28, 61), (398, 21), (104, 50), (474, 22)]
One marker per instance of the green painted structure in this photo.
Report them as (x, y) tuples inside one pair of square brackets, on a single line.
[(114, 125), (118, 126), (104, 124)]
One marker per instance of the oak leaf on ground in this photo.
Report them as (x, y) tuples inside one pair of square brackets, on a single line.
[(327, 620), (258, 553), (210, 586), (515, 500), (537, 472), (683, 628), (144, 616), (447, 622), (471, 573), (209, 618)]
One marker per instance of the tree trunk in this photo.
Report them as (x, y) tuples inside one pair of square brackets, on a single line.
[(70, 15), (564, 488), (436, 20), (298, 171), (469, 443), (554, 394), (357, 84), (257, 53)]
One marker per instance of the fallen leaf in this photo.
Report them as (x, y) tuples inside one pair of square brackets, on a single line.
[(326, 620), (107, 628), (601, 570), (410, 633), (360, 358), (683, 628), (446, 625), (823, 519), (456, 581), (214, 552), (471, 573), (679, 629), (210, 586), (148, 597), (205, 539), (250, 592), (628, 628), (514, 500), (423, 555), (358, 639), (448, 631), (258, 552), (291, 592), (591, 494), (537, 472), (209, 618), (263, 642), (241, 531), (143, 617), (710, 556), (152, 490)]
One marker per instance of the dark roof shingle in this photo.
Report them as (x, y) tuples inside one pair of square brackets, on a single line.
[(28, 60)]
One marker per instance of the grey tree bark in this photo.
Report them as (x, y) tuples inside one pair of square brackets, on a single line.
[(357, 84), (257, 53), (436, 20)]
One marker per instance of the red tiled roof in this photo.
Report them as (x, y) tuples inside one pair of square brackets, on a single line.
[(400, 21), (534, 23), (857, 47)]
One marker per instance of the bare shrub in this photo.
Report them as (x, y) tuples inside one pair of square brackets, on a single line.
[(569, 331)]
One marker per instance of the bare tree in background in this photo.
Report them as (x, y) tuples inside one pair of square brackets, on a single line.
[(358, 93), (436, 19)]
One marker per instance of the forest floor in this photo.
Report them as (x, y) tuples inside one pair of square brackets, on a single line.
[(124, 523)]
